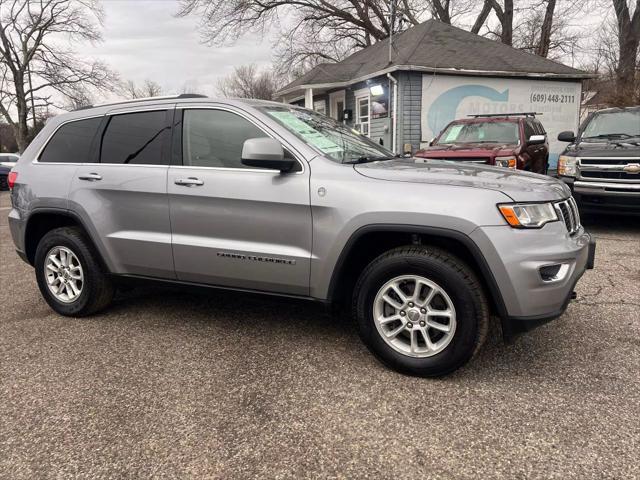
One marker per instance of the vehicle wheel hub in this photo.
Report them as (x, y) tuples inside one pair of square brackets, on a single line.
[(63, 274), (414, 316)]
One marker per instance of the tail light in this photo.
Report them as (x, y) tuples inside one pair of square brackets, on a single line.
[(11, 179)]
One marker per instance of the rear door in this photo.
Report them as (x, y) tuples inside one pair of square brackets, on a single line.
[(122, 193), (231, 225)]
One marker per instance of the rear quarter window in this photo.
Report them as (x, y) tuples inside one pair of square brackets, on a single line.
[(72, 142)]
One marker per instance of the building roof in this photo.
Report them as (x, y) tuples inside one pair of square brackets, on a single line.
[(434, 46)]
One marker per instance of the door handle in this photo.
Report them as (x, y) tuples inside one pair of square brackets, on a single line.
[(189, 182), (92, 177)]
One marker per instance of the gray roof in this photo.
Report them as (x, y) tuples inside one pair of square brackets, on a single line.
[(436, 47)]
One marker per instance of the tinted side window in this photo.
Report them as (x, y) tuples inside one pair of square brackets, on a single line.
[(539, 128), (135, 138), (72, 142), (214, 138), (528, 130)]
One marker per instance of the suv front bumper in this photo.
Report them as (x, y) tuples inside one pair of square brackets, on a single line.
[(516, 258)]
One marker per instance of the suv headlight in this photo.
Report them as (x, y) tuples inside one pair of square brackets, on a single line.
[(507, 162), (567, 165), (528, 215)]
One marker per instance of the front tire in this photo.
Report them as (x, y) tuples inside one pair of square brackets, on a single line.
[(69, 273), (421, 311)]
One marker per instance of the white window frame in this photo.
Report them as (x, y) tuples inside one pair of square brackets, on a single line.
[(362, 94), (334, 98)]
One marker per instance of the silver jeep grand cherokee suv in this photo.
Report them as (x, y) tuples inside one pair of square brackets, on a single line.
[(265, 197)]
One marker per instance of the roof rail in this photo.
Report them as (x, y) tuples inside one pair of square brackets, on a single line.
[(513, 114), (144, 99)]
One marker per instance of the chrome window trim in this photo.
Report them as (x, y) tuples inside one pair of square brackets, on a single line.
[(247, 117)]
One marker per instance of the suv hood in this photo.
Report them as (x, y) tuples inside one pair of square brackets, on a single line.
[(480, 149), (617, 148), (520, 186)]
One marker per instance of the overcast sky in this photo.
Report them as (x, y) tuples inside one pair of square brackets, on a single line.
[(143, 39)]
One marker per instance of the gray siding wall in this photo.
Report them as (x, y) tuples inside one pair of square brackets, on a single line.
[(409, 109)]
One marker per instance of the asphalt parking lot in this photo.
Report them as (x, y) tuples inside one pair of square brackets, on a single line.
[(173, 384)]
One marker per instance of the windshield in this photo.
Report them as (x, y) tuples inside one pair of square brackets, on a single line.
[(335, 140), (480, 132), (615, 124), (8, 158)]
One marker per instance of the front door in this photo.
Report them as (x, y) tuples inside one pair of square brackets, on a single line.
[(231, 225)]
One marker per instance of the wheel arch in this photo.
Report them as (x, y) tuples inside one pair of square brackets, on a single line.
[(43, 220), (369, 241)]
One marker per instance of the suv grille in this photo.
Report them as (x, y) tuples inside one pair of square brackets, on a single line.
[(611, 175), (568, 212), (608, 169)]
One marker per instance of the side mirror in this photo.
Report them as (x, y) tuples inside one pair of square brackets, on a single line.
[(265, 153), (536, 139), (431, 142), (567, 136)]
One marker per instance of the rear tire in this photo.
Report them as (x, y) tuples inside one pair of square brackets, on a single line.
[(69, 273), (434, 338)]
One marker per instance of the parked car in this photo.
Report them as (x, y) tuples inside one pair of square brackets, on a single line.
[(264, 197), (4, 174), (9, 159), (601, 164), (512, 140)]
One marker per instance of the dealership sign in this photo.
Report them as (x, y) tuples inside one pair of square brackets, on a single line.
[(446, 98)]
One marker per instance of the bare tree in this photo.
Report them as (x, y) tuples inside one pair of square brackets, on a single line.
[(7, 138), (37, 60), (247, 81), (315, 31), (482, 17), (451, 11), (149, 88), (545, 28), (504, 12), (542, 48), (628, 42)]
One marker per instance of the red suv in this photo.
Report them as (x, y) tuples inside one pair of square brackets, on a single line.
[(512, 140)]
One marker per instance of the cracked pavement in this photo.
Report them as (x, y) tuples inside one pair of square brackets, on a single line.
[(177, 384)]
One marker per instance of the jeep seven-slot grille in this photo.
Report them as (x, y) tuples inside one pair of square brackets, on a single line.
[(568, 211)]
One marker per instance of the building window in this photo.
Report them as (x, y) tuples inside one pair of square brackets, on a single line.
[(362, 114), (320, 106)]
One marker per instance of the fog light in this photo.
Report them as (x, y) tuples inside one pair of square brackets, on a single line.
[(554, 272)]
